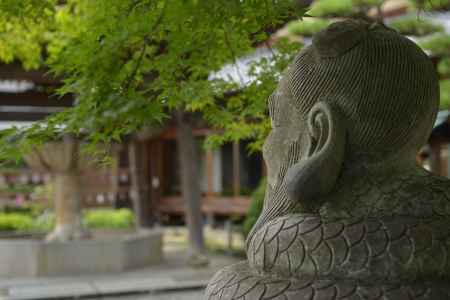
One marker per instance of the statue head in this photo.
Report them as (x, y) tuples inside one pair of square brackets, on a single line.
[(360, 94)]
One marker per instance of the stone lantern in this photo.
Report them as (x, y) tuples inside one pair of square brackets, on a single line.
[(61, 159)]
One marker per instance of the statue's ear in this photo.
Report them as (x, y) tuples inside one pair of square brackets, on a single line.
[(315, 176)]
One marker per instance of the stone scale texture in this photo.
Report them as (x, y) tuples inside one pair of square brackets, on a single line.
[(348, 213)]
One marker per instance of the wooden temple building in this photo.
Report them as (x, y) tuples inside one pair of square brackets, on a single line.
[(229, 173)]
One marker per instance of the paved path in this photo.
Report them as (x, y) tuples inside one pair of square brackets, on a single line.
[(170, 276), (184, 295)]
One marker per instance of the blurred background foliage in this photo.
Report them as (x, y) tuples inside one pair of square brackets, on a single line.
[(431, 5), (415, 26), (307, 27)]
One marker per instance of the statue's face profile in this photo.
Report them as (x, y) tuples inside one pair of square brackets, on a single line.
[(288, 127)]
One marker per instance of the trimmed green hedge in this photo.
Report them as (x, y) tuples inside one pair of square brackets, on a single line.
[(105, 218), (15, 222), (307, 27), (412, 25), (108, 218)]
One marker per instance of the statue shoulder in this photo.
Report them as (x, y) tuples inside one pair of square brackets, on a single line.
[(421, 194)]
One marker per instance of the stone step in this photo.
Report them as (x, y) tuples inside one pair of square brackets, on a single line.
[(97, 288)]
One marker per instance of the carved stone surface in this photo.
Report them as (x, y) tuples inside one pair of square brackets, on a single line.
[(62, 160), (348, 214)]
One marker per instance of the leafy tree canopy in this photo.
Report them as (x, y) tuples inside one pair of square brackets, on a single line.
[(130, 62)]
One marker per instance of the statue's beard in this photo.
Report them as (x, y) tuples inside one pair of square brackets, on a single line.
[(276, 200)]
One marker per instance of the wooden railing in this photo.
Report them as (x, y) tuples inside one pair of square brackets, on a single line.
[(212, 205)]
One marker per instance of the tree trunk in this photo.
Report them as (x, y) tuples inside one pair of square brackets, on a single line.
[(139, 183), (190, 183)]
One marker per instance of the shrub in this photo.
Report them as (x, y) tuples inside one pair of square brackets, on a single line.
[(412, 25), (109, 218), (437, 44), (331, 8), (307, 27), (256, 206), (445, 94), (15, 222)]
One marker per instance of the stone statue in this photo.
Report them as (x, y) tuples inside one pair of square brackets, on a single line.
[(348, 213)]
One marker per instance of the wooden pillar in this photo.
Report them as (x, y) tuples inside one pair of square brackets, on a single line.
[(157, 172), (209, 158), (138, 160), (263, 168), (114, 172), (158, 176), (155, 162), (236, 169)]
